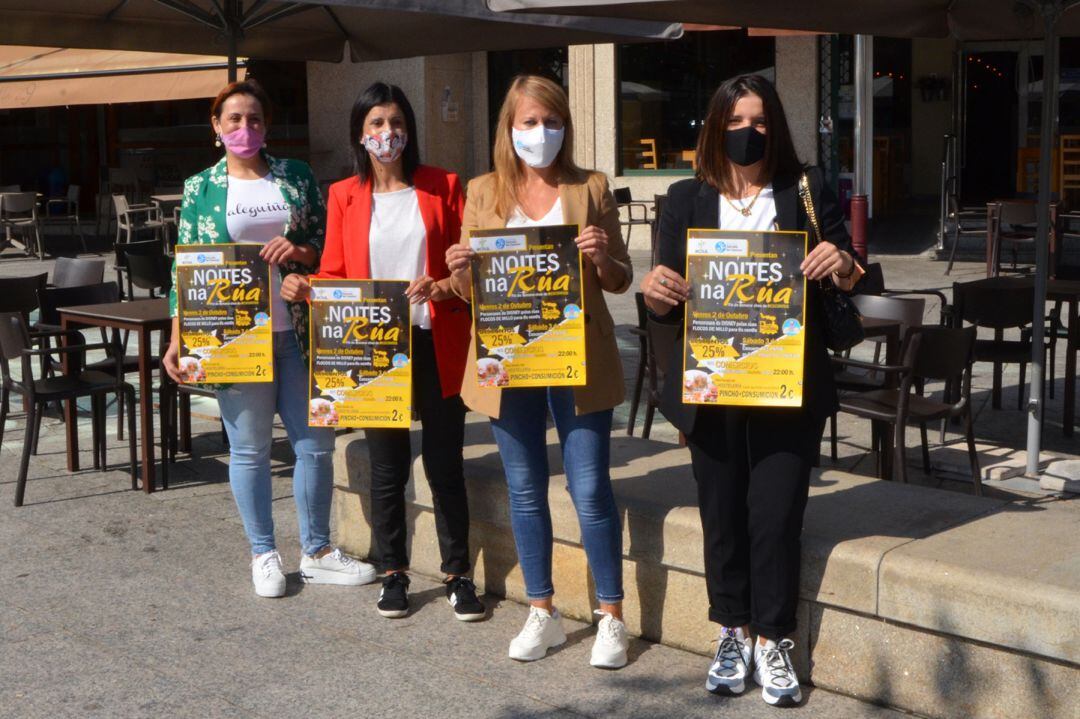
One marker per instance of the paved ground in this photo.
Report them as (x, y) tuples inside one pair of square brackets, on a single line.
[(119, 604), (116, 604)]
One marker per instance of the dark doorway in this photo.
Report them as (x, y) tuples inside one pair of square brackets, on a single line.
[(989, 169)]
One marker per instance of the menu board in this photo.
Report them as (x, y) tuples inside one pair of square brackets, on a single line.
[(361, 354), (528, 307), (223, 301), (745, 319)]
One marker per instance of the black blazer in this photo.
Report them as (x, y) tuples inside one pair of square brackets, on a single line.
[(693, 203)]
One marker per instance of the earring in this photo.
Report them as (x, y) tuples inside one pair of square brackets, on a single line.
[(217, 142)]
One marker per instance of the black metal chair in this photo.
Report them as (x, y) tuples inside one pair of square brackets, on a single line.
[(75, 384), (909, 313), (20, 294), (998, 305), (176, 432), (930, 353), (967, 221), (65, 210), (77, 271), (146, 265), (51, 299), (625, 200)]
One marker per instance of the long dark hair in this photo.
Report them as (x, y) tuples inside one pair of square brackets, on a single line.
[(381, 93), (780, 157)]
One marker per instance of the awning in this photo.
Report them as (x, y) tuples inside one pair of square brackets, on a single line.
[(50, 76)]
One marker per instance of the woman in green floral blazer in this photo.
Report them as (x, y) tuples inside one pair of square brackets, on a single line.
[(249, 196)]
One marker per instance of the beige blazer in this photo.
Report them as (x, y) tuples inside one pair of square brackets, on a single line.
[(584, 203)]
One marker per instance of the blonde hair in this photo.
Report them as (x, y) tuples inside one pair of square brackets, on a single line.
[(509, 168)]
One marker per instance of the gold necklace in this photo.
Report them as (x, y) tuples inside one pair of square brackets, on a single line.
[(745, 211)]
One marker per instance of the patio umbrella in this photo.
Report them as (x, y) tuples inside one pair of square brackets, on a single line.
[(963, 19), (302, 29)]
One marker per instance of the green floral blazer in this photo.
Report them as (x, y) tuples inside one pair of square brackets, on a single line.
[(202, 221)]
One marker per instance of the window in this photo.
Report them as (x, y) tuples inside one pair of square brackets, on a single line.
[(665, 88)]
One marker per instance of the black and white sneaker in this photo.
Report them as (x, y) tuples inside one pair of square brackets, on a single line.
[(775, 674), (461, 593), (394, 597), (731, 666)]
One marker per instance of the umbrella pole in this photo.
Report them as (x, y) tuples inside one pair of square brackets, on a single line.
[(233, 20), (1051, 13)]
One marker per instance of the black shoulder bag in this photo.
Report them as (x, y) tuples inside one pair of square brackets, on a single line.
[(843, 323)]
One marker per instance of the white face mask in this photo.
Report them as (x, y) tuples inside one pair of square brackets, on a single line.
[(539, 146)]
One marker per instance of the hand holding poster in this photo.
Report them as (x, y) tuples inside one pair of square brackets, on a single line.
[(528, 308), (744, 331), (223, 299), (361, 361)]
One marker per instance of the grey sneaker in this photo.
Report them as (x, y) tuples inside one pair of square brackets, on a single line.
[(775, 674), (731, 666)]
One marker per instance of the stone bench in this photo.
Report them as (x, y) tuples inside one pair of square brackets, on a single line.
[(936, 602)]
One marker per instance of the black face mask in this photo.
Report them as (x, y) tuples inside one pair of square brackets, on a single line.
[(744, 146)]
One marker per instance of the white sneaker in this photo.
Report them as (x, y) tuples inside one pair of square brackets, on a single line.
[(731, 666), (336, 568), (774, 672), (609, 649), (266, 574), (541, 632)]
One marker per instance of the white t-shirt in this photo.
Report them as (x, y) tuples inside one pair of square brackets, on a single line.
[(397, 243), (256, 212), (553, 217), (762, 214)]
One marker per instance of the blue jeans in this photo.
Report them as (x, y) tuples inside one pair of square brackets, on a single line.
[(248, 412), (585, 441)]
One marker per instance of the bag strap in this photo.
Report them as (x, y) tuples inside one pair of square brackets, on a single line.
[(808, 205)]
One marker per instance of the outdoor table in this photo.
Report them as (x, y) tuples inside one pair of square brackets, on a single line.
[(890, 331), (141, 317)]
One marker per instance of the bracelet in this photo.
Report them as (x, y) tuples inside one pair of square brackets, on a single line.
[(850, 272)]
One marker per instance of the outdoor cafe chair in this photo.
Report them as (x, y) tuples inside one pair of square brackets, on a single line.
[(132, 219), (966, 221), (659, 337), (997, 306), (625, 200), (51, 299), (20, 294), (906, 311), (176, 432), (19, 212), (67, 213), (929, 354), (71, 386), (77, 271), (148, 267), (1014, 225)]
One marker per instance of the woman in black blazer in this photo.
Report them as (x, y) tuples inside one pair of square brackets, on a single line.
[(751, 465)]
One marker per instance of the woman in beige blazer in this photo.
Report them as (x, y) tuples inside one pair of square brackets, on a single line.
[(535, 183)]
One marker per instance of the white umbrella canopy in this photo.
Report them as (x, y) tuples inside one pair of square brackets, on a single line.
[(303, 29), (962, 19)]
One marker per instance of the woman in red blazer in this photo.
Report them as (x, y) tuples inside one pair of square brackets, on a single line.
[(395, 219)]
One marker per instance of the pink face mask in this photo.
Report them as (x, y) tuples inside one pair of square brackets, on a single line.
[(244, 142), (387, 146)]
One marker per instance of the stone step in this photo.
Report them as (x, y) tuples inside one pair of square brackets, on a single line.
[(935, 602)]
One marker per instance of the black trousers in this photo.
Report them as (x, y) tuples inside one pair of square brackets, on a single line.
[(752, 468), (443, 434)]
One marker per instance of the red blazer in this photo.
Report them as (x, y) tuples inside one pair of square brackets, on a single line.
[(346, 255)]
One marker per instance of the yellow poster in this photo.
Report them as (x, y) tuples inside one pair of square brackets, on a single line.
[(223, 298), (745, 319), (361, 354), (528, 308)]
